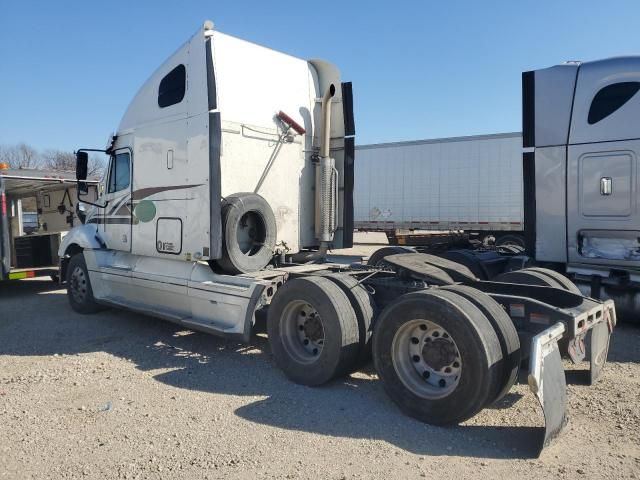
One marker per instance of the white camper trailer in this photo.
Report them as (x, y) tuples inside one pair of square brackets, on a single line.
[(231, 175), (33, 251)]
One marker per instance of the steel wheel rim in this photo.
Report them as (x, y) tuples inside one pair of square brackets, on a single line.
[(78, 285), (302, 332), (426, 359)]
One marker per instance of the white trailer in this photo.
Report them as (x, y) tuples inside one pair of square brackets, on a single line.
[(231, 175), (472, 183)]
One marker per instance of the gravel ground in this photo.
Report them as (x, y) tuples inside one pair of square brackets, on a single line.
[(121, 395)]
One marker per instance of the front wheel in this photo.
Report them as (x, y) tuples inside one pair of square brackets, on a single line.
[(79, 289)]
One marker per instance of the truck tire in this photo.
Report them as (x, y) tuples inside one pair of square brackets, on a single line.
[(375, 260), (528, 277), (436, 354), (249, 233), (506, 331), (313, 330), (510, 249), (469, 260), (364, 308), (566, 284), (510, 239), (546, 278), (79, 289)]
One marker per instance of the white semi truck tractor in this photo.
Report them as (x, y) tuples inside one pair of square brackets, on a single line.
[(231, 175)]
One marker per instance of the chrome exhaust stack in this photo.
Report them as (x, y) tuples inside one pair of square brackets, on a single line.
[(326, 177), (326, 185)]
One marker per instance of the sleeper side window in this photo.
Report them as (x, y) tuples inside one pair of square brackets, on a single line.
[(611, 98), (172, 87), (119, 172)]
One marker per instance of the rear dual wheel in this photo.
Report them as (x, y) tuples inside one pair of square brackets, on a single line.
[(438, 356), (537, 276), (511, 240), (542, 277), (507, 336), (363, 307), (313, 330), (377, 258)]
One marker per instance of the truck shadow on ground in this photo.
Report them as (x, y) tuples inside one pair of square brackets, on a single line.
[(355, 407)]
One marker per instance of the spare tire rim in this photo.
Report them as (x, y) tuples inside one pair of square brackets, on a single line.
[(302, 331), (426, 359), (78, 285), (251, 233)]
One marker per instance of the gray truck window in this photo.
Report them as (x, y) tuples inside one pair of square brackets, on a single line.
[(172, 87), (119, 173), (611, 98)]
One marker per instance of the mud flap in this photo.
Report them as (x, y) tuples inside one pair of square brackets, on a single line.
[(599, 350), (547, 381)]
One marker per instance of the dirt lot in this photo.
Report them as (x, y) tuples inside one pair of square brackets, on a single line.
[(120, 395)]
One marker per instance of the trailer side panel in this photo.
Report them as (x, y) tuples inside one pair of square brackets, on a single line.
[(464, 183)]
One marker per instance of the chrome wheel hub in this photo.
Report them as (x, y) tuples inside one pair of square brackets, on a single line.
[(303, 331), (426, 359)]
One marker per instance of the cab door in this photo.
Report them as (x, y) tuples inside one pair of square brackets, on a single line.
[(603, 218), (117, 216), (603, 222)]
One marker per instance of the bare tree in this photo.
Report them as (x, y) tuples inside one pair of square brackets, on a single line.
[(59, 160), (66, 161), (20, 156), (96, 166), (29, 156)]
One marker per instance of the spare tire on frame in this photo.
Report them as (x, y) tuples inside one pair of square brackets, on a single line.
[(248, 233)]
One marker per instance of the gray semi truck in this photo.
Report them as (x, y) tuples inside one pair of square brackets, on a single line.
[(580, 166), (578, 200)]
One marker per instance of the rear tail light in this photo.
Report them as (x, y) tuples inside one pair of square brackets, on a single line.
[(3, 204)]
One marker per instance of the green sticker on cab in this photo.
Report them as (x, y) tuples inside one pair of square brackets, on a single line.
[(145, 211)]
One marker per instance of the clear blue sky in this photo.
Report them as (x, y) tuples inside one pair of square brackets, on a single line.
[(420, 69)]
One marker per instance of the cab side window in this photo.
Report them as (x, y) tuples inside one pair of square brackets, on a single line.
[(611, 98), (119, 172), (172, 87)]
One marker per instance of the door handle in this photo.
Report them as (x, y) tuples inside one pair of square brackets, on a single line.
[(606, 186)]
